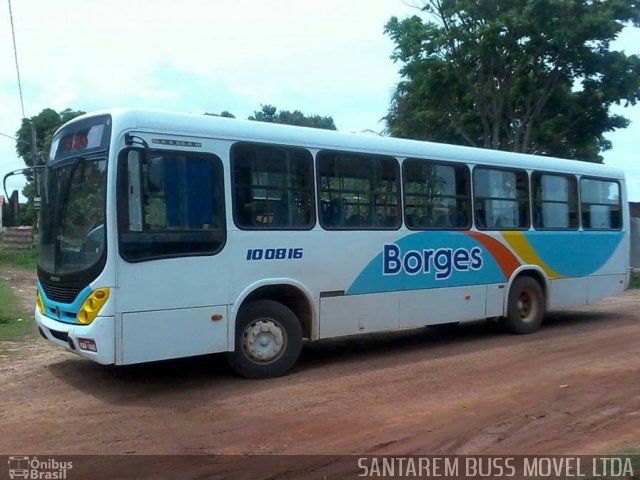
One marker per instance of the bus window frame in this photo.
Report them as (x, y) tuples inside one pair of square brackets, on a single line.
[(533, 202), (469, 197), (602, 179), (314, 216), (121, 215), (373, 156), (515, 170)]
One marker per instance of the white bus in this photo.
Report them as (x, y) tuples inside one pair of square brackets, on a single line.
[(167, 235)]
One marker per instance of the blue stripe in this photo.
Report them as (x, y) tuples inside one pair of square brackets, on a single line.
[(373, 280), (575, 254), (68, 311)]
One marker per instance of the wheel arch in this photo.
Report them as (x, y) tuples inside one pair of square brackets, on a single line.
[(287, 291), (533, 271)]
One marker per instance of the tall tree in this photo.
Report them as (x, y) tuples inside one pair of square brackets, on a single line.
[(269, 114), (532, 76), (45, 123)]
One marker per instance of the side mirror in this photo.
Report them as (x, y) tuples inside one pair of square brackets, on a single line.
[(35, 170)]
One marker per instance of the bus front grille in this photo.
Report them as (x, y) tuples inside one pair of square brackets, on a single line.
[(60, 294)]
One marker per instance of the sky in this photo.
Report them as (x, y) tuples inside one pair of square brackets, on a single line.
[(326, 57)]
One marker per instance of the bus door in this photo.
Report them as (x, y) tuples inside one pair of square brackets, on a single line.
[(173, 283)]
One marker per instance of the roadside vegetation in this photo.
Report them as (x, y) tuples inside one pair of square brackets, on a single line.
[(635, 279), (25, 260), (16, 322)]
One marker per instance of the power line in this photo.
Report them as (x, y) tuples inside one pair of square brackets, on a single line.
[(8, 136), (17, 162), (15, 54), (14, 138)]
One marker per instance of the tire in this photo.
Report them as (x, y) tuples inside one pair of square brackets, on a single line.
[(268, 340), (525, 306)]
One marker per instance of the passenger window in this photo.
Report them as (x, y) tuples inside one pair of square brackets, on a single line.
[(169, 204), (600, 204), (555, 202), (501, 199), (272, 187), (436, 195), (358, 191)]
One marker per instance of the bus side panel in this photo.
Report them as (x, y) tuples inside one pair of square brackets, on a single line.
[(353, 314), (159, 335), (442, 305), (603, 286), (321, 261), (568, 292), (495, 304), (611, 278), (349, 315)]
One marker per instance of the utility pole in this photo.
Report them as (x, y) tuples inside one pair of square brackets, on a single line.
[(36, 173)]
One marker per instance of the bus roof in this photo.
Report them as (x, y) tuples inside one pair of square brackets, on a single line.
[(234, 129)]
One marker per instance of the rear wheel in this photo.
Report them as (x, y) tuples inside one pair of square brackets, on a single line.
[(525, 307), (268, 340)]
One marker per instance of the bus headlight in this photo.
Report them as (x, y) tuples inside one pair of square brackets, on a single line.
[(39, 302), (92, 305)]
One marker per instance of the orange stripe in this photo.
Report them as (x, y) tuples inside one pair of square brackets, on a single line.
[(501, 254)]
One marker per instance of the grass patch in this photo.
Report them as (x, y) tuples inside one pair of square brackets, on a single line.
[(15, 322), (635, 280), (25, 260)]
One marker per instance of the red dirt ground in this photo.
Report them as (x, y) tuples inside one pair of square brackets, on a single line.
[(570, 388)]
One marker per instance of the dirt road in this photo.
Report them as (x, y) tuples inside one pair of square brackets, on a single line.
[(571, 388)]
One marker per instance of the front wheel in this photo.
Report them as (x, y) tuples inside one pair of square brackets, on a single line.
[(525, 307), (268, 340)]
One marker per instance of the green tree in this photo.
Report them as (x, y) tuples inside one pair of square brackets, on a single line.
[(269, 114), (532, 76), (45, 123), (224, 113)]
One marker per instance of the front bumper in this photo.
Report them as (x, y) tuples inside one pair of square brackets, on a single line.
[(101, 330)]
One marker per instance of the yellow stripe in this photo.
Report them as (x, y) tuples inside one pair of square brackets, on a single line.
[(523, 248)]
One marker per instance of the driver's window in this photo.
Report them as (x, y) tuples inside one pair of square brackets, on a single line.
[(170, 204)]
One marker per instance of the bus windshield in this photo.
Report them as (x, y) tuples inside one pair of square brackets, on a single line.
[(73, 235)]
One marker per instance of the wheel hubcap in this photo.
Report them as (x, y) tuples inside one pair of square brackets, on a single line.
[(263, 340), (527, 306)]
